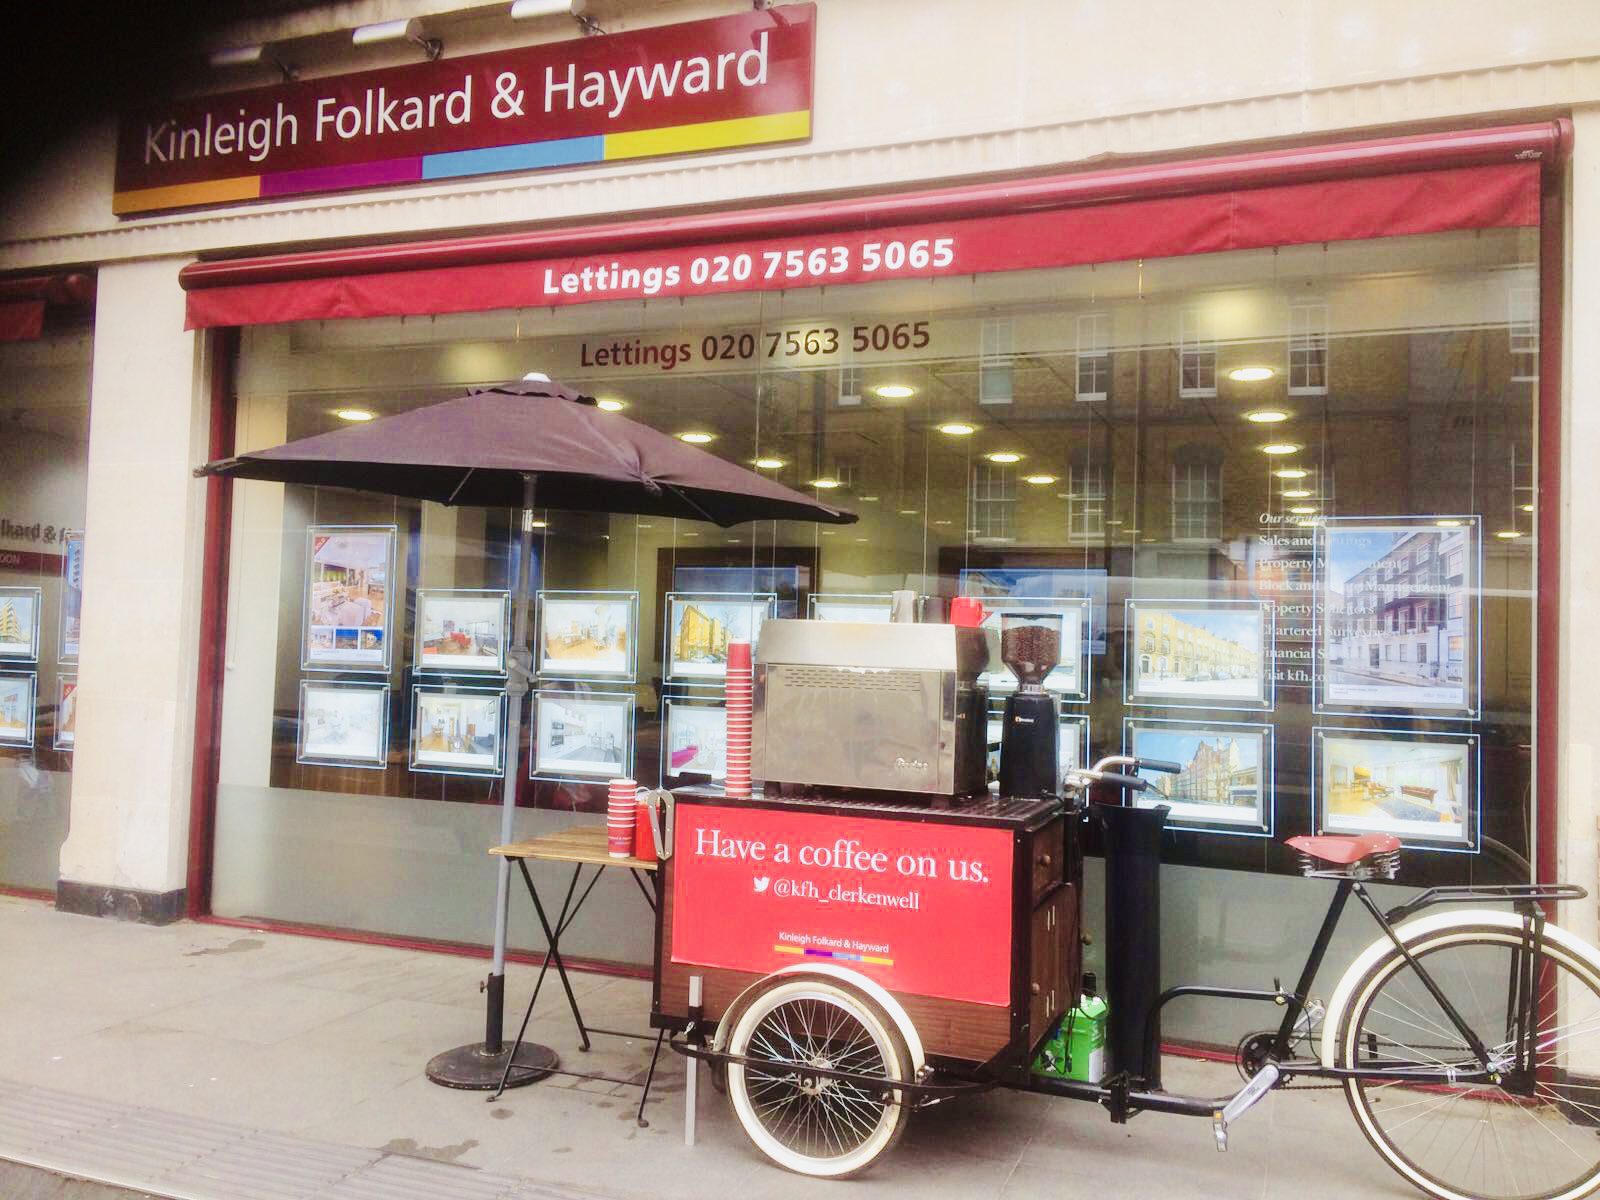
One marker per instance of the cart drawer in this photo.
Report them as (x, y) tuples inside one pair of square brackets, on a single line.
[(1049, 856), (1054, 923)]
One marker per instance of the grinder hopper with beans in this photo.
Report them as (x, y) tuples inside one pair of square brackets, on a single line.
[(1030, 644)]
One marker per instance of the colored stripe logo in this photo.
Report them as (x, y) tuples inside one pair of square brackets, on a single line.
[(839, 955), (491, 160)]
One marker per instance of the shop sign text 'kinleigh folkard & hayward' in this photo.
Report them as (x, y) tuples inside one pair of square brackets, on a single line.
[(733, 81)]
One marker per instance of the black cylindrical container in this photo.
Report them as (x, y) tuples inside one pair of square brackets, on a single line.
[(1133, 936)]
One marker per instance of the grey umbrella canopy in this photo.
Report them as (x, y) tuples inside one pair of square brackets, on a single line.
[(479, 449)]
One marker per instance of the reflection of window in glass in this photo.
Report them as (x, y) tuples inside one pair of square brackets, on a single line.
[(1197, 356), (1197, 494), (1308, 349), (994, 500), (997, 344), (1524, 329), (849, 387), (848, 472), (1456, 606), (1094, 356), (1086, 502)]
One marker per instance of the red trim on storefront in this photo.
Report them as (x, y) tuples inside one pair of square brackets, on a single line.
[(1341, 160), (1547, 516), (27, 893), (598, 966), (213, 627)]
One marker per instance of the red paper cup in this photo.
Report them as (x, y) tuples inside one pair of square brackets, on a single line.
[(738, 655)]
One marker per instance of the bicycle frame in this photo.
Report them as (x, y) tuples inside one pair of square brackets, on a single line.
[(1521, 996)]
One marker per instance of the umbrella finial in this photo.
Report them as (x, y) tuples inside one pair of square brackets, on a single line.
[(536, 377)]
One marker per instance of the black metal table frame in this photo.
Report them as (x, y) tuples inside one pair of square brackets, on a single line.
[(569, 912)]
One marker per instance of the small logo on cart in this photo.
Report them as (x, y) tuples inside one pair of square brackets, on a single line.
[(910, 764), (761, 882)]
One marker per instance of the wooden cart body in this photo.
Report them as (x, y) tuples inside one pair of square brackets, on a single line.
[(1042, 932)]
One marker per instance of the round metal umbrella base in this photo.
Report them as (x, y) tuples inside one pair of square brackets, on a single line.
[(473, 1068)]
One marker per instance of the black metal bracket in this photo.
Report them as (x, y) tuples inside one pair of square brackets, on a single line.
[(1513, 893)]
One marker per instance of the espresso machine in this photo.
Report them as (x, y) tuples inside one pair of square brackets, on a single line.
[(1030, 644)]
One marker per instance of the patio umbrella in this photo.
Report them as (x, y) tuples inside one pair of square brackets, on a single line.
[(512, 446)]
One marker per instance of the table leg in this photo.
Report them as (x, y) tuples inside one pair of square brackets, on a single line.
[(649, 1077), (553, 941)]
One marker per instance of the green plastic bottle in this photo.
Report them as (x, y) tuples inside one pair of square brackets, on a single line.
[(1083, 1036)]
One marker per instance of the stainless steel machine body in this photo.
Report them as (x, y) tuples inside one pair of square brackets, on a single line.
[(892, 707)]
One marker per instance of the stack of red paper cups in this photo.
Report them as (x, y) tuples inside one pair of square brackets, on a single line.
[(621, 817), (740, 711)]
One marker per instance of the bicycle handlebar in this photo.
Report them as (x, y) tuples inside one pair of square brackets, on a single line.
[(1158, 764), (1132, 782)]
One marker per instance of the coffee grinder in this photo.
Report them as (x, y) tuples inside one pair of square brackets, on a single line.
[(1030, 644)]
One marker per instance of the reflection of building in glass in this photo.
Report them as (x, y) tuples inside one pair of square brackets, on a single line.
[(10, 623), (1402, 617), (700, 636), (1216, 774), (1172, 648)]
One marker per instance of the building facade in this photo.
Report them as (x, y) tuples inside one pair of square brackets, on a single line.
[(1142, 312)]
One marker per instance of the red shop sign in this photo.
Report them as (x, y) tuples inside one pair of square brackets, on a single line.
[(740, 80), (919, 907)]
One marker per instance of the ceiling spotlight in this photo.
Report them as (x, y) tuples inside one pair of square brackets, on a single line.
[(1267, 416), (697, 437), (894, 391), (537, 524), (1004, 456), (1448, 523), (941, 522), (611, 405), (354, 414), (1282, 448), (1039, 480), (406, 29), (1303, 510), (866, 499), (1509, 534), (1296, 493), (957, 429), (908, 512), (1251, 374), (1291, 473), (769, 464), (1527, 508), (825, 483)]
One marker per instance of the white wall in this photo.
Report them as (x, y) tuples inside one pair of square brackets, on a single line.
[(143, 527)]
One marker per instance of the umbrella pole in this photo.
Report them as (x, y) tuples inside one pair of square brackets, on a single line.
[(481, 1066)]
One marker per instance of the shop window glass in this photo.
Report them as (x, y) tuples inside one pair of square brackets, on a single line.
[(1197, 356), (44, 443), (999, 338), (1158, 493), (1308, 349), (1094, 355)]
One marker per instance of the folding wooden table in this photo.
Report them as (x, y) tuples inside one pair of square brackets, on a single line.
[(582, 846)]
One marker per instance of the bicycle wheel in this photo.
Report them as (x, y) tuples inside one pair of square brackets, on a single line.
[(812, 1124), (1537, 1138)]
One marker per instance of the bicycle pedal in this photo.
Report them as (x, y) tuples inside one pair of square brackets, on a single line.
[(1219, 1131), (1262, 1082)]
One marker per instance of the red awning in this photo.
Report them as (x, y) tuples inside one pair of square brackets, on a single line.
[(1426, 184)]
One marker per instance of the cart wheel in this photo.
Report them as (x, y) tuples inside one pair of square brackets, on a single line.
[(818, 1125)]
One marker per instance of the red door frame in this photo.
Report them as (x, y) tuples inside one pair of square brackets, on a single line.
[(1391, 154)]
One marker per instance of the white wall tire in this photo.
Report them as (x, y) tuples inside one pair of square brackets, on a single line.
[(824, 1128), (1381, 996)]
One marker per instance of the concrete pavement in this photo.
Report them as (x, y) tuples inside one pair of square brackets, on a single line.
[(248, 1046)]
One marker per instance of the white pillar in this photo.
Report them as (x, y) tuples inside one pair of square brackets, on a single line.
[(1578, 850), (126, 854)]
